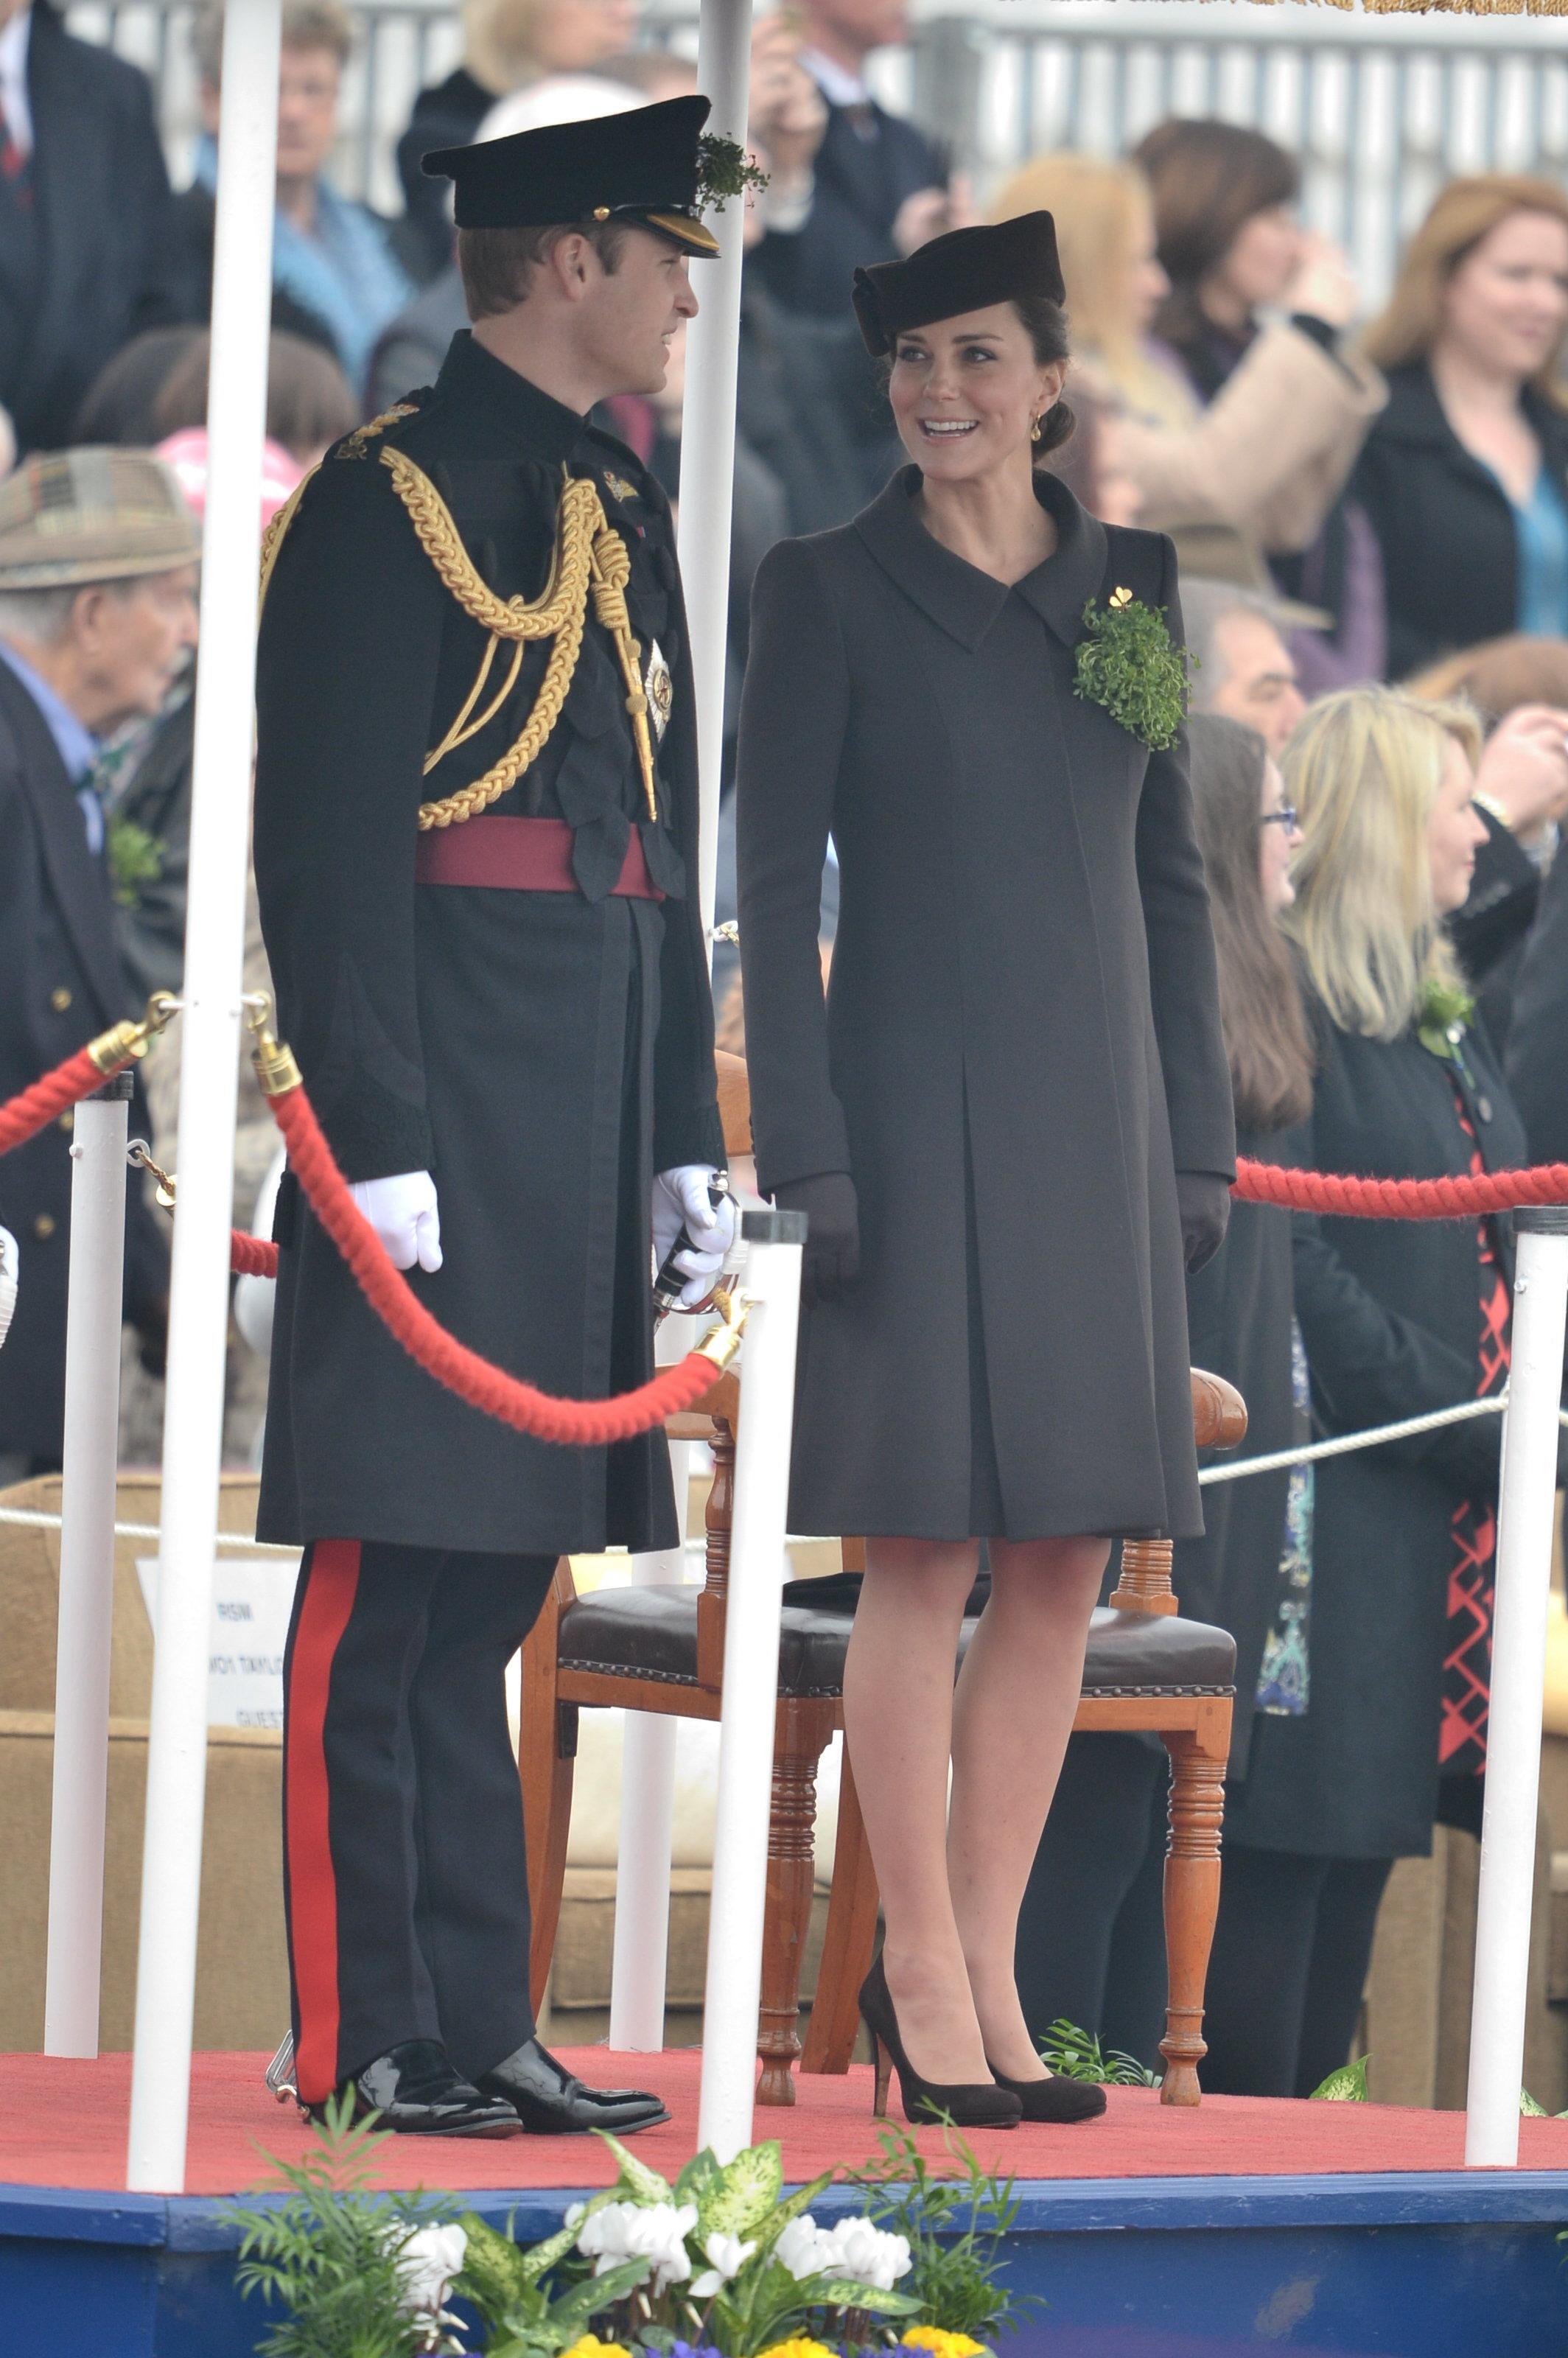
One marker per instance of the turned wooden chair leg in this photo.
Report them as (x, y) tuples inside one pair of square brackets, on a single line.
[(802, 1734), (1192, 1897), (547, 1753), (851, 1937)]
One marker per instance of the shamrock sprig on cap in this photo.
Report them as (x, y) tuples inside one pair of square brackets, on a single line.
[(724, 169)]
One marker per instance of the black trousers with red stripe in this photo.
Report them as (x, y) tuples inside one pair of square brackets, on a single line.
[(405, 1877)]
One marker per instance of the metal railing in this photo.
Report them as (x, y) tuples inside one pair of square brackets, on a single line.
[(1382, 110)]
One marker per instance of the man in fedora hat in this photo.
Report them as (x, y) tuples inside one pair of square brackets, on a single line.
[(476, 854), (98, 555)]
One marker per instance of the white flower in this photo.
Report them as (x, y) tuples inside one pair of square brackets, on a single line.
[(575, 2214), (726, 2256), (428, 2263), (869, 2256), (805, 2248), (655, 2232)]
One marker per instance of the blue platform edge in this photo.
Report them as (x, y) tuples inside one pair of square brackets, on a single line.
[(1408, 2264), (184, 2222)]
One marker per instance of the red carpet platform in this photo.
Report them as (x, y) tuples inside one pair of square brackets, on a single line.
[(64, 2125), (1339, 2230)]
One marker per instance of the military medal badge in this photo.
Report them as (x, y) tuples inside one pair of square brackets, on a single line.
[(660, 690), (1129, 665)]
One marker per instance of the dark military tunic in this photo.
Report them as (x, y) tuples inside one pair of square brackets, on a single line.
[(541, 1053), (1021, 1045)]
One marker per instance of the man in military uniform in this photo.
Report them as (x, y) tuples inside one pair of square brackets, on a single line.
[(475, 848)]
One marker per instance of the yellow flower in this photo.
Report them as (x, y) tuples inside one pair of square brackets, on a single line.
[(801, 2347), (942, 2345), (590, 2346)]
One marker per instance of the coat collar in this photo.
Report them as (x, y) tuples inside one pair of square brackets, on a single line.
[(956, 596), (504, 416), (77, 878), (1415, 417)]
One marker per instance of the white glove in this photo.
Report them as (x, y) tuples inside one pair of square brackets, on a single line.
[(9, 1258), (681, 1200), (404, 1214)]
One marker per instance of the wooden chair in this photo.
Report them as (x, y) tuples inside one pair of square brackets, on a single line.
[(661, 1649)]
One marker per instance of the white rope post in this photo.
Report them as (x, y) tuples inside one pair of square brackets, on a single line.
[(92, 1321), (214, 935), (733, 1986), (1527, 1501), (640, 1959), (708, 422)]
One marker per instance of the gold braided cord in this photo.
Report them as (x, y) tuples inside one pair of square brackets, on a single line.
[(272, 538), (612, 572), (462, 727), (453, 809), (577, 518), (588, 550)]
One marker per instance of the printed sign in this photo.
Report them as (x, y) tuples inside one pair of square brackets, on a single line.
[(252, 1599)]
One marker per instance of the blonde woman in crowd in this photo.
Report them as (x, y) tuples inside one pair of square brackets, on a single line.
[(1466, 475), (1272, 452), (1398, 1317)]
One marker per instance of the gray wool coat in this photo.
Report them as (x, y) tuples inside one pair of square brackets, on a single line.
[(1021, 1041)]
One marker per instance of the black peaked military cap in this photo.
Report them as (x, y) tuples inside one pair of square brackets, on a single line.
[(643, 167), (966, 271)]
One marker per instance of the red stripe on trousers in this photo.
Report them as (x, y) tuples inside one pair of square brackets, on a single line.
[(312, 1885)]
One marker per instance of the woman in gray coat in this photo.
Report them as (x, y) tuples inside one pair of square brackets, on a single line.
[(1011, 1122)]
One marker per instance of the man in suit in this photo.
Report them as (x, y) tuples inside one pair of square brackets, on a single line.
[(83, 199), (476, 855), (98, 556), (881, 187)]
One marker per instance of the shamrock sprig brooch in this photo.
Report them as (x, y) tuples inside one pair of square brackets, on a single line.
[(1442, 1017), (1130, 665)]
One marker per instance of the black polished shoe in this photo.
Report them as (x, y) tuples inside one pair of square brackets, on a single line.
[(417, 2089), (549, 2102)]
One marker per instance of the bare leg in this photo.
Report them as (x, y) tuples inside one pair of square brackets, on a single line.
[(898, 1724), (1012, 1715)]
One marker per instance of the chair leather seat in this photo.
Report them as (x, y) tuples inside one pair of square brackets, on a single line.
[(651, 1633)]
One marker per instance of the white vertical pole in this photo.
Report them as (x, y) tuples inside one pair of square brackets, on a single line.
[(733, 1986), (708, 424), (193, 1419), (638, 1967), (93, 1317), (1526, 1503)]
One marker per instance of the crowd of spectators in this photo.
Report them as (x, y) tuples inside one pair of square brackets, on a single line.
[(1372, 520)]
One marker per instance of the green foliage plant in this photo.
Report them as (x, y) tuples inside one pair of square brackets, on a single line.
[(1346, 2086), (328, 2253), (1072, 2054), (537, 2303), (957, 2221), (1129, 664), (508, 2289)]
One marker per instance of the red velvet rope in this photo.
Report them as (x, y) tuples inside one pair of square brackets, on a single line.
[(586, 1424), (252, 1256), (22, 1117), (1400, 1199)]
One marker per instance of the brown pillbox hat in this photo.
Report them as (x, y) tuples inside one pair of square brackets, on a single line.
[(75, 516)]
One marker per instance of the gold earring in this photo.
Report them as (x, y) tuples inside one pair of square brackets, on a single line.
[(1036, 429)]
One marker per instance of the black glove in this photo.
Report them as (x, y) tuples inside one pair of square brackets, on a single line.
[(831, 1263), (1203, 1199)]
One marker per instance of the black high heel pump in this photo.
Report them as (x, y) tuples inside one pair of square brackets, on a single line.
[(967, 2104), (1051, 2099)]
